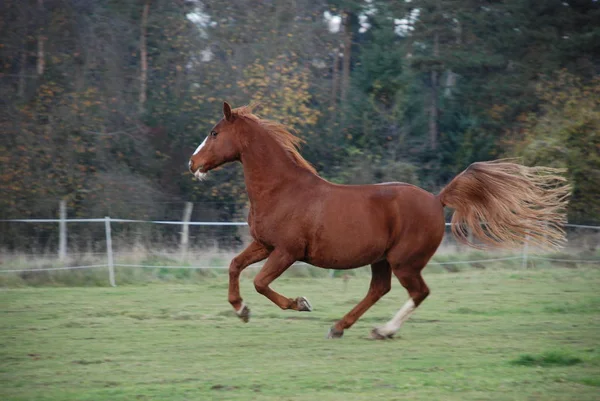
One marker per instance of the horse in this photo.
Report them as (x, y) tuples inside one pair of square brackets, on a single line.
[(296, 215)]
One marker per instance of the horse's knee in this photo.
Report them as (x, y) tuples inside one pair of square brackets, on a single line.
[(420, 296), (384, 288), (415, 285), (235, 267), (260, 286)]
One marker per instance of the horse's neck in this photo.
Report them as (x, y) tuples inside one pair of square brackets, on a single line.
[(268, 170)]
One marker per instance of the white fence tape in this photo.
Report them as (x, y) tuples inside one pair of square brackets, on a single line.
[(172, 267), (565, 260), (173, 222), (296, 264), (191, 223), (43, 269), (108, 220), (474, 261)]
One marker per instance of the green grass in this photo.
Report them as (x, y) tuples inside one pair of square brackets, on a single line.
[(471, 340), (552, 358)]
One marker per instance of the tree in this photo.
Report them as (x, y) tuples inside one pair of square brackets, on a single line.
[(566, 133), (144, 54)]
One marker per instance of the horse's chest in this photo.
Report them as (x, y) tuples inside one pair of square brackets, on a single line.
[(266, 228), (261, 231)]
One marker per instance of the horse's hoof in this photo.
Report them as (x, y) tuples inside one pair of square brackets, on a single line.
[(377, 335), (244, 313), (303, 304), (335, 333)]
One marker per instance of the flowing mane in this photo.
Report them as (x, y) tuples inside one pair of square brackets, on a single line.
[(280, 133)]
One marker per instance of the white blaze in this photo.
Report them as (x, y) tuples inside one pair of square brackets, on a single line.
[(201, 145), (199, 175)]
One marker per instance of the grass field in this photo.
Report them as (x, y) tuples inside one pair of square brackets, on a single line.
[(494, 334)]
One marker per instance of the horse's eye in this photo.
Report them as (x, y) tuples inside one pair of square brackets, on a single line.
[(213, 133)]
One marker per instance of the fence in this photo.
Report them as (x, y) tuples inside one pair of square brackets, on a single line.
[(184, 236)]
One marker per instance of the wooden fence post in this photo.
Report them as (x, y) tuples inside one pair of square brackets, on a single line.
[(109, 252), (62, 228), (185, 231)]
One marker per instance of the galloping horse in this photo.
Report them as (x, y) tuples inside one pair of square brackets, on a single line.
[(295, 215)]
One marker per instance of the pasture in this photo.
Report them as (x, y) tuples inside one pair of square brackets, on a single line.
[(493, 334)]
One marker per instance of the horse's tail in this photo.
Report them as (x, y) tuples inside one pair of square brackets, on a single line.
[(505, 204)]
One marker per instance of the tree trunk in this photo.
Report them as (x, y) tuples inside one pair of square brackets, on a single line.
[(451, 76), (347, 20), (22, 72), (41, 63), (335, 77), (450, 83), (144, 56), (178, 79), (79, 75), (433, 103)]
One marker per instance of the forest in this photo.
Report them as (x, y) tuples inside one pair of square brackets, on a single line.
[(104, 101)]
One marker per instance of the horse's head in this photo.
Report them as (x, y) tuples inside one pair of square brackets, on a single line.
[(222, 145)]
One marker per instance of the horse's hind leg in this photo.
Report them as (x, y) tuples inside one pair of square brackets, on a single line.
[(255, 252), (277, 263), (411, 279), (381, 278)]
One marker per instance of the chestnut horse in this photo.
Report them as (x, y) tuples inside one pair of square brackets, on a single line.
[(295, 215)]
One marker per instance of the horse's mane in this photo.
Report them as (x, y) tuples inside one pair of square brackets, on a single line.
[(280, 133)]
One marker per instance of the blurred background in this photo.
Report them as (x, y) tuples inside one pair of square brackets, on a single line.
[(103, 102)]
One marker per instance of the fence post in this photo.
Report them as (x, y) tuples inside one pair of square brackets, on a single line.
[(185, 231), (525, 251), (62, 230), (109, 252)]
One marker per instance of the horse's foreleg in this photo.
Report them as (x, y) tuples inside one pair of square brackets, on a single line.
[(381, 278), (412, 280), (277, 263), (255, 252)]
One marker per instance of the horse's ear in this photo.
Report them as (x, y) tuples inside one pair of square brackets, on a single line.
[(227, 112)]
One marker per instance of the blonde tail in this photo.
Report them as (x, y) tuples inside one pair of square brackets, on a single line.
[(505, 204)]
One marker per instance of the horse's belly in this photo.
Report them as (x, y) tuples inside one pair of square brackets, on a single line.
[(347, 251), (344, 263)]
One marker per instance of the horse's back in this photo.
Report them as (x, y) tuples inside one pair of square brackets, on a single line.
[(402, 199), (409, 208)]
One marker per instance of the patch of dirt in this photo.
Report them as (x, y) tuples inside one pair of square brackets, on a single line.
[(95, 362), (223, 387)]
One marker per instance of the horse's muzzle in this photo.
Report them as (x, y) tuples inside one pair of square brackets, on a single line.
[(191, 167)]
